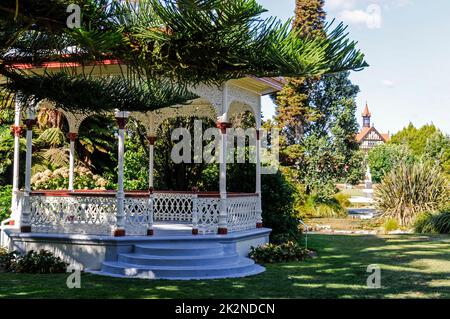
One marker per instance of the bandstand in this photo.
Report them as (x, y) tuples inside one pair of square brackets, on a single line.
[(151, 234)]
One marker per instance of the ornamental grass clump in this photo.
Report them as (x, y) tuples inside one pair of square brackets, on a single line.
[(411, 189), (433, 223)]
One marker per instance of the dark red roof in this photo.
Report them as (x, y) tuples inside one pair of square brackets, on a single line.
[(366, 112)]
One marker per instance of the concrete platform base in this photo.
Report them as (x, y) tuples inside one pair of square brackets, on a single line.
[(173, 253)]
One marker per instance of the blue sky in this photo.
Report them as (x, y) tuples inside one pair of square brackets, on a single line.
[(407, 44)]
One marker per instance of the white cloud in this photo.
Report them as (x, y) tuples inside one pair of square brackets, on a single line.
[(388, 83), (371, 17), (340, 5), (363, 12)]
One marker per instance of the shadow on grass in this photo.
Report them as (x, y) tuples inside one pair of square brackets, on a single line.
[(411, 267)]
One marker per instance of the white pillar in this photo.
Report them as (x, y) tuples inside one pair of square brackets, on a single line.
[(259, 221), (72, 137), (16, 130), (151, 158), (25, 225), (223, 215), (122, 118), (223, 125)]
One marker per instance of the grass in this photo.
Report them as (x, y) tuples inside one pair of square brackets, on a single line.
[(347, 223), (356, 192), (411, 267)]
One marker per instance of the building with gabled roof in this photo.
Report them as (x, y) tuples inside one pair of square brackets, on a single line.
[(369, 137)]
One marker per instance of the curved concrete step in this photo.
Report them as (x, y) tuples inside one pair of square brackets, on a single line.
[(183, 260), (244, 267), (188, 249)]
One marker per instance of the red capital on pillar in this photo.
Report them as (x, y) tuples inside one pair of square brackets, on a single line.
[(16, 130), (223, 126), (151, 140), (72, 136), (121, 122)]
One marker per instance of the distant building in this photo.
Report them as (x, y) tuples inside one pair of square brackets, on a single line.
[(369, 137)]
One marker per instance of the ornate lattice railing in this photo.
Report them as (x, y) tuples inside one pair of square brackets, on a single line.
[(206, 214), (73, 214), (173, 206), (242, 212), (95, 212), (137, 215)]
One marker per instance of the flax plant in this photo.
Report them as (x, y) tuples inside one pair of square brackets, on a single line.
[(411, 189)]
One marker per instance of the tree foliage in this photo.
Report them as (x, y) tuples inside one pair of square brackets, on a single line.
[(383, 158), (317, 118), (437, 150), (293, 111), (415, 138), (158, 43), (426, 142)]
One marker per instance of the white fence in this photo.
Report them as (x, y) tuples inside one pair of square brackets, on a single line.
[(95, 213)]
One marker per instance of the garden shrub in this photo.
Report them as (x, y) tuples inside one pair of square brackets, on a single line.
[(433, 223), (135, 168), (343, 200), (42, 262), (278, 253), (318, 208), (410, 189), (315, 205), (277, 206), (59, 179), (5, 201), (285, 237), (390, 224), (7, 259)]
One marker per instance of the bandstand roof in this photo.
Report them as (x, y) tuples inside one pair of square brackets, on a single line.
[(241, 95)]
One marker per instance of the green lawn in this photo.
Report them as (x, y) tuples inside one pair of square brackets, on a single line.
[(353, 192), (411, 267)]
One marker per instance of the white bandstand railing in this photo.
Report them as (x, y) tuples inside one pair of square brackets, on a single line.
[(94, 213), (78, 214), (242, 213)]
